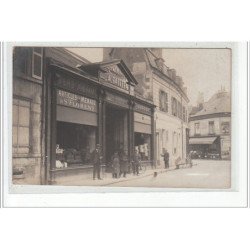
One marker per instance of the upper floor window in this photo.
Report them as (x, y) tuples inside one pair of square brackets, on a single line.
[(197, 128), (174, 106), (163, 97), (211, 127), (21, 126), (225, 128), (179, 110), (37, 63)]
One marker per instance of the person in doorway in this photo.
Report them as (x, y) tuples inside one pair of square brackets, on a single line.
[(166, 158), (136, 162), (115, 165), (96, 158)]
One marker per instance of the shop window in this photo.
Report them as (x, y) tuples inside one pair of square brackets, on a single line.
[(74, 144), (37, 63), (197, 128), (174, 106), (163, 97), (21, 126), (211, 127), (143, 145), (225, 128)]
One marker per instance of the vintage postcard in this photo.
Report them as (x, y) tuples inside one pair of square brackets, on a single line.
[(122, 116)]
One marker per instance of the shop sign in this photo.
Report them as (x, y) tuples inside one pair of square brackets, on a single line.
[(140, 118), (142, 108), (114, 76), (76, 101), (115, 99), (76, 86)]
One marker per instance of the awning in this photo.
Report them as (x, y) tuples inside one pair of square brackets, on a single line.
[(202, 140)]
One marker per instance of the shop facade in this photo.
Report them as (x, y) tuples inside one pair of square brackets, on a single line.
[(94, 104)]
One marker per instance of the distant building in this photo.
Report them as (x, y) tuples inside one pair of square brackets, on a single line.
[(210, 127), (160, 84)]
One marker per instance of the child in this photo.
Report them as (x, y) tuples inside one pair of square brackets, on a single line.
[(116, 165)]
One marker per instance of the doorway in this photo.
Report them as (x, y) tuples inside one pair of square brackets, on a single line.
[(116, 130)]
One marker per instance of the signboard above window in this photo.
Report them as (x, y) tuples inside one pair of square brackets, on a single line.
[(113, 75)]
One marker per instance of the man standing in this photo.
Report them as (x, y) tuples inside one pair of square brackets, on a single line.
[(136, 162), (166, 159), (96, 157)]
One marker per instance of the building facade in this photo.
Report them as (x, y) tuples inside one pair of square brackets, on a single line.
[(63, 106), (210, 128), (166, 90)]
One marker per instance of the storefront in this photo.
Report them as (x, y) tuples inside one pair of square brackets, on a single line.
[(205, 147), (96, 108)]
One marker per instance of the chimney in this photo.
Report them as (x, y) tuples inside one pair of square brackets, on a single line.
[(107, 54)]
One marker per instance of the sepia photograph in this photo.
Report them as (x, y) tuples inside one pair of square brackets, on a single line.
[(154, 117)]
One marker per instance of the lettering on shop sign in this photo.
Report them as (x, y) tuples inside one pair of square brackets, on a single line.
[(142, 108), (114, 76), (76, 101), (76, 86), (116, 99)]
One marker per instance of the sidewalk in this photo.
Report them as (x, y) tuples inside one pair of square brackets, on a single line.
[(108, 180)]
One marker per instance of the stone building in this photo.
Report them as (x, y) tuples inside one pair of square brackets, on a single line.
[(210, 127), (29, 114), (64, 105), (160, 84)]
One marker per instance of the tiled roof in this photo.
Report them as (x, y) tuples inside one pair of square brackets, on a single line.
[(218, 103)]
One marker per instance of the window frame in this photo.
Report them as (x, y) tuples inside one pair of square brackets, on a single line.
[(17, 145), (32, 66), (195, 129), (209, 128)]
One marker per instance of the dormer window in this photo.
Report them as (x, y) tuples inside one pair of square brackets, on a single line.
[(37, 63)]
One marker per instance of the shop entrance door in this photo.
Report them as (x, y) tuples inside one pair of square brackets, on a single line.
[(116, 130)]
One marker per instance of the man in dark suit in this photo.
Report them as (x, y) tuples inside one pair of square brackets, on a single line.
[(166, 158), (96, 158)]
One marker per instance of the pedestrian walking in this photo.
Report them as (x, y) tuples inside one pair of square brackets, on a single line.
[(115, 165), (166, 158), (96, 159)]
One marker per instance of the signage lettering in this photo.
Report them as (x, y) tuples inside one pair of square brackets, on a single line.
[(75, 101), (114, 76)]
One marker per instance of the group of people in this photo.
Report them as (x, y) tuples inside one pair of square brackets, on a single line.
[(120, 164)]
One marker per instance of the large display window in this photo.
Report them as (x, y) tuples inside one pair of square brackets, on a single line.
[(74, 144), (143, 145)]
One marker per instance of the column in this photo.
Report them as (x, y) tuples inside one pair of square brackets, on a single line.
[(131, 129)]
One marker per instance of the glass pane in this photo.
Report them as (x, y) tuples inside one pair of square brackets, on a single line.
[(23, 136), (15, 115), (37, 70), (24, 116), (14, 135)]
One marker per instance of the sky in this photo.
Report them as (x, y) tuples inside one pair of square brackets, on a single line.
[(202, 70)]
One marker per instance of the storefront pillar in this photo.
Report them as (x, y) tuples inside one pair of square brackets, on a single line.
[(51, 179), (153, 140), (131, 130), (101, 138)]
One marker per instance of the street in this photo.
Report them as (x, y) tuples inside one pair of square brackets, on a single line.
[(212, 174), (204, 174)]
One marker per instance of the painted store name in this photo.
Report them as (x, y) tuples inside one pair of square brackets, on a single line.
[(75, 101), (114, 79)]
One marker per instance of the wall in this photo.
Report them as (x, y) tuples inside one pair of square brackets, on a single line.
[(204, 125), (170, 130), (31, 162)]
